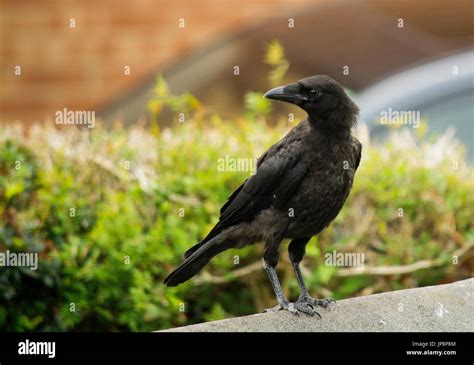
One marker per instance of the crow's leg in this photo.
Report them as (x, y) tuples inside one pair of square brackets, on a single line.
[(296, 251), (270, 261), (283, 303)]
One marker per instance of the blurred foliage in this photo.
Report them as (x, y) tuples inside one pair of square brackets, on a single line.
[(110, 213), (181, 104), (127, 189), (275, 58), (255, 105)]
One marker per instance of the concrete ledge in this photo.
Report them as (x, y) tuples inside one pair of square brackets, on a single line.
[(441, 308)]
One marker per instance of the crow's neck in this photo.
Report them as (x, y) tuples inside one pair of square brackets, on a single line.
[(336, 121), (331, 128)]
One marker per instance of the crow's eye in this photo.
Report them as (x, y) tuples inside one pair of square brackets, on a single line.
[(314, 92)]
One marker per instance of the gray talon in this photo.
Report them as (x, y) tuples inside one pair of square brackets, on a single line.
[(306, 308), (325, 303), (312, 303)]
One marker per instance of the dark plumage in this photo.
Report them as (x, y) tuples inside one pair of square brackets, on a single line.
[(300, 185)]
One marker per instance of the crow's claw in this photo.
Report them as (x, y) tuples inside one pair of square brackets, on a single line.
[(325, 303), (306, 308), (295, 308)]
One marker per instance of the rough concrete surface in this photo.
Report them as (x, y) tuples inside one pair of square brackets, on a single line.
[(441, 308)]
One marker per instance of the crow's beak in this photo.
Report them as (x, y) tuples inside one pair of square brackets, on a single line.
[(288, 93)]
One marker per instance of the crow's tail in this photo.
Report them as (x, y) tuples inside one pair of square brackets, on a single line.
[(196, 261), (214, 232)]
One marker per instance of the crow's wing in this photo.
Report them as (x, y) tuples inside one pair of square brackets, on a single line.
[(231, 198), (279, 173), (277, 177)]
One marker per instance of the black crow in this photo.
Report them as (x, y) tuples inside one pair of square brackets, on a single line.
[(300, 185)]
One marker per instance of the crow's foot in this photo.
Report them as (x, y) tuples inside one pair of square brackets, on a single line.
[(294, 308), (325, 303)]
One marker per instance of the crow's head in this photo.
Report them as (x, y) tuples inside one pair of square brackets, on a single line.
[(325, 101)]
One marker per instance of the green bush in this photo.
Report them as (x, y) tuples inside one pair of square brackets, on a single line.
[(110, 212), (129, 188)]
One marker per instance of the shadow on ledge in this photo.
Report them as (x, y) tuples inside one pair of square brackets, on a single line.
[(441, 308)]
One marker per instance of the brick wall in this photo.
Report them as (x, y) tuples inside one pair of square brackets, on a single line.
[(83, 67)]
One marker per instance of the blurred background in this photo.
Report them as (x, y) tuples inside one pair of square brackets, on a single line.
[(140, 65)]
